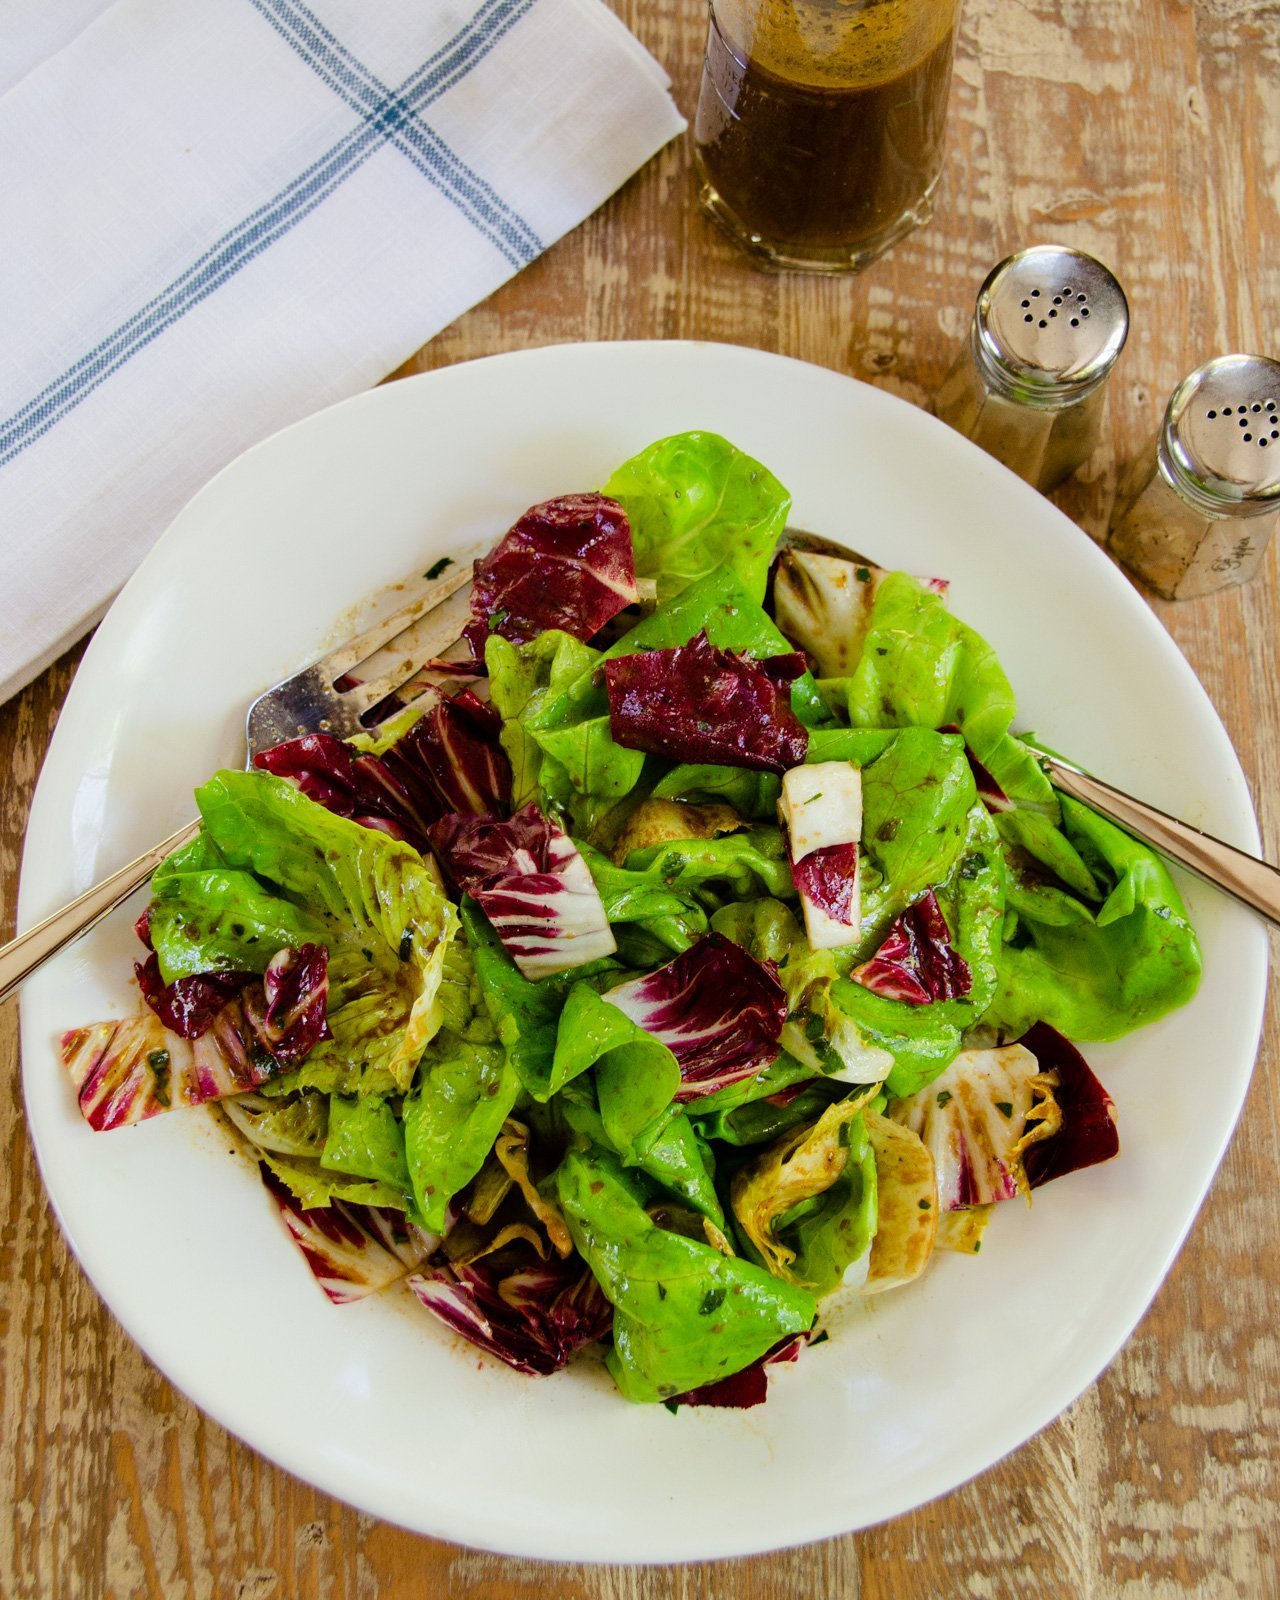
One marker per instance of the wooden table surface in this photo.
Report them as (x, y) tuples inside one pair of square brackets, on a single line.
[(1145, 131)]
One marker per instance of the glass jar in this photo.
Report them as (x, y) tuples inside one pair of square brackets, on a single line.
[(821, 125)]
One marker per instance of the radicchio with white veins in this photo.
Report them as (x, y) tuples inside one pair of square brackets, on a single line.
[(533, 1317), (529, 879), (287, 1010), (917, 962), (716, 1008), (820, 808), (978, 1120), (353, 1250), (135, 1068)]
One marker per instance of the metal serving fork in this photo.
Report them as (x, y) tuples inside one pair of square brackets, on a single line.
[(1247, 878), (393, 651)]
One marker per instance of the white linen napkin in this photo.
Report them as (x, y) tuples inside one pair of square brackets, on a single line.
[(220, 215)]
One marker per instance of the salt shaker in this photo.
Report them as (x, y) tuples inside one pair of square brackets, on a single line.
[(1029, 386), (1198, 508)]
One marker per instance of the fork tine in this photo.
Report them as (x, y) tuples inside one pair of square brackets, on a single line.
[(354, 651), (424, 701), (307, 702), (362, 697), (432, 636)]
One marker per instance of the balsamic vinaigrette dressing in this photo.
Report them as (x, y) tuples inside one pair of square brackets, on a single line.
[(827, 129)]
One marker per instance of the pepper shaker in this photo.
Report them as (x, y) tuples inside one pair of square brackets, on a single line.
[(1029, 386), (1198, 508)]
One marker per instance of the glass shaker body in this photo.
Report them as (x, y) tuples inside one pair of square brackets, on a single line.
[(1198, 509), (1029, 385), (821, 124), (1042, 444)]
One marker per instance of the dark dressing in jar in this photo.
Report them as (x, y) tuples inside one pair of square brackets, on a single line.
[(821, 123)]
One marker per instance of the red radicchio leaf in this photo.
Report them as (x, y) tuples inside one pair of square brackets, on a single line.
[(287, 1011), (353, 1250), (1088, 1131), (566, 564), (716, 1008), (450, 759), (917, 961), (530, 880), (129, 1070), (187, 1006), (701, 704), (828, 878), (533, 1317), (742, 1390), (476, 850), (350, 785), (200, 1040)]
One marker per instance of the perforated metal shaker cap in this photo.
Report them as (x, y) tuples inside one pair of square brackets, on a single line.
[(1049, 324), (1220, 440)]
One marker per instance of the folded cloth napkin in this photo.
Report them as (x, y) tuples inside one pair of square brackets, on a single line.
[(220, 215)]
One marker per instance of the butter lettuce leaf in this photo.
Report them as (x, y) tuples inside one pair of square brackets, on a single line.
[(677, 1158), (921, 666), (682, 1162), (916, 802), (291, 866), (316, 1189), (736, 866), (521, 676), (696, 501), (451, 1120), (685, 1315), (366, 1139), (672, 917), (1096, 972), (751, 794), (636, 1075), (764, 1118)]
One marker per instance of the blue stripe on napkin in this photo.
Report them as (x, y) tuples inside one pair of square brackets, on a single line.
[(388, 116), (390, 110)]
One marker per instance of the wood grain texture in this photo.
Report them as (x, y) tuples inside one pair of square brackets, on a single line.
[(1150, 134)]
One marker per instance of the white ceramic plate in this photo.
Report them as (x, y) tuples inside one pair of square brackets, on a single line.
[(375, 1402)]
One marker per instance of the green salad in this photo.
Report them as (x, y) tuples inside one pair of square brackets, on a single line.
[(706, 944)]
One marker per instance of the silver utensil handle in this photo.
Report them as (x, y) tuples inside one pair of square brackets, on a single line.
[(23, 955), (1255, 883)]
